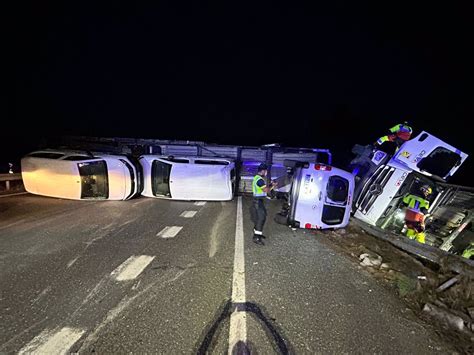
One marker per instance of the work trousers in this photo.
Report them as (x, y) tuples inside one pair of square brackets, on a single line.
[(258, 214), (415, 231)]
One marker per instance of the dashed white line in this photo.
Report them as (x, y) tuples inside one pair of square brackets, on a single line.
[(238, 325), (169, 232), (50, 342), (188, 214), (132, 267), (200, 203)]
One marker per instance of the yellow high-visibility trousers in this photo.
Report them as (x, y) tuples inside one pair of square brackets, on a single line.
[(413, 234)]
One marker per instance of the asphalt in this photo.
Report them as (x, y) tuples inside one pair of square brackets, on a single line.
[(57, 256)]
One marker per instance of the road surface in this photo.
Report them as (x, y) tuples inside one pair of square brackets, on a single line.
[(157, 276)]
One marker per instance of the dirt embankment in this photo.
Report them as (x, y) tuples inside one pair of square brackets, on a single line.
[(438, 296)]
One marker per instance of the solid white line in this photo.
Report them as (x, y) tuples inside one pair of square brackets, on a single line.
[(49, 342), (200, 203), (238, 325), (132, 267), (188, 214), (19, 193), (169, 232)]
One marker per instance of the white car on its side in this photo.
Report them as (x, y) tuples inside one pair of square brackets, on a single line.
[(188, 178), (79, 175)]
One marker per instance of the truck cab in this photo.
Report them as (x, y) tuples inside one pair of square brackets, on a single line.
[(382, 180)]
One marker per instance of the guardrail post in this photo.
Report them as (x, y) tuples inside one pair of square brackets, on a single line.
[(7, 183)]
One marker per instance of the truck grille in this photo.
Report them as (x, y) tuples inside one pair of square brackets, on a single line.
[(373, 188)]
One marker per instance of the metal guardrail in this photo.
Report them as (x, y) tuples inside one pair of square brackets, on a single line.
[(9, 177)]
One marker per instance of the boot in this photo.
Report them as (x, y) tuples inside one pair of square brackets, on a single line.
[(258, 240)]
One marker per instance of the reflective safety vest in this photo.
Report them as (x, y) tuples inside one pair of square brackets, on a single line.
[(399, 131), (401, 128), (415, 202), (257, 190), (468, 252)]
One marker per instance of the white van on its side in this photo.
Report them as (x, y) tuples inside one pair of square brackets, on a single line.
[(320, 196), (78, 175), (188, 178)]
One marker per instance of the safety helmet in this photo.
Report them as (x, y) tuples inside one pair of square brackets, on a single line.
[(262, 166), (426, 189)]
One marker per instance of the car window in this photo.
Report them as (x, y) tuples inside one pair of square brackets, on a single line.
[(160, 175), (176, 160), (211, 162), (76, 157), (47, 155), (337, 188), (333, 215), (94, 180)]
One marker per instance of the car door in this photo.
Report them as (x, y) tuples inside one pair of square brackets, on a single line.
[(336, 200)]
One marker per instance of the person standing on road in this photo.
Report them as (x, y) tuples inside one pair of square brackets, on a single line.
[(258, 212)]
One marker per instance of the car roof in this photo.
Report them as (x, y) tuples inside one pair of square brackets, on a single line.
[(190, 158), (87, 155)]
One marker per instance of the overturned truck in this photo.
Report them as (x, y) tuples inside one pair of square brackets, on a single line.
[(383, 179)]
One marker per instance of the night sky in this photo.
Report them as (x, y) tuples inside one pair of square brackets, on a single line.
[(325, 76)]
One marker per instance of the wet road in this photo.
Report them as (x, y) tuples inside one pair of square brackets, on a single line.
[(151, 275)]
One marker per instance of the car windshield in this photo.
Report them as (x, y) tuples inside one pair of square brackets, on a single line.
[(94, 180)]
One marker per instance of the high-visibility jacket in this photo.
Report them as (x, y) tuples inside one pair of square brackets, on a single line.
[(416, 203), (258, 190), (401, 128), (468, 252), (400, 131)]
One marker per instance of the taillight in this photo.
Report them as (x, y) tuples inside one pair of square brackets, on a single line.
[(322, 167), (307, 225)]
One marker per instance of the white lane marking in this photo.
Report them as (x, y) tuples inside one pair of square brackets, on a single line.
[(238, 325), (200, 203), (50, 342), (144, 296), (188, 214), (71, 263), (19, 193), (169, 232), (132, 267)]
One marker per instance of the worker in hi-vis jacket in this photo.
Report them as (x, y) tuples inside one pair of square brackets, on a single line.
[(258, 212)]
